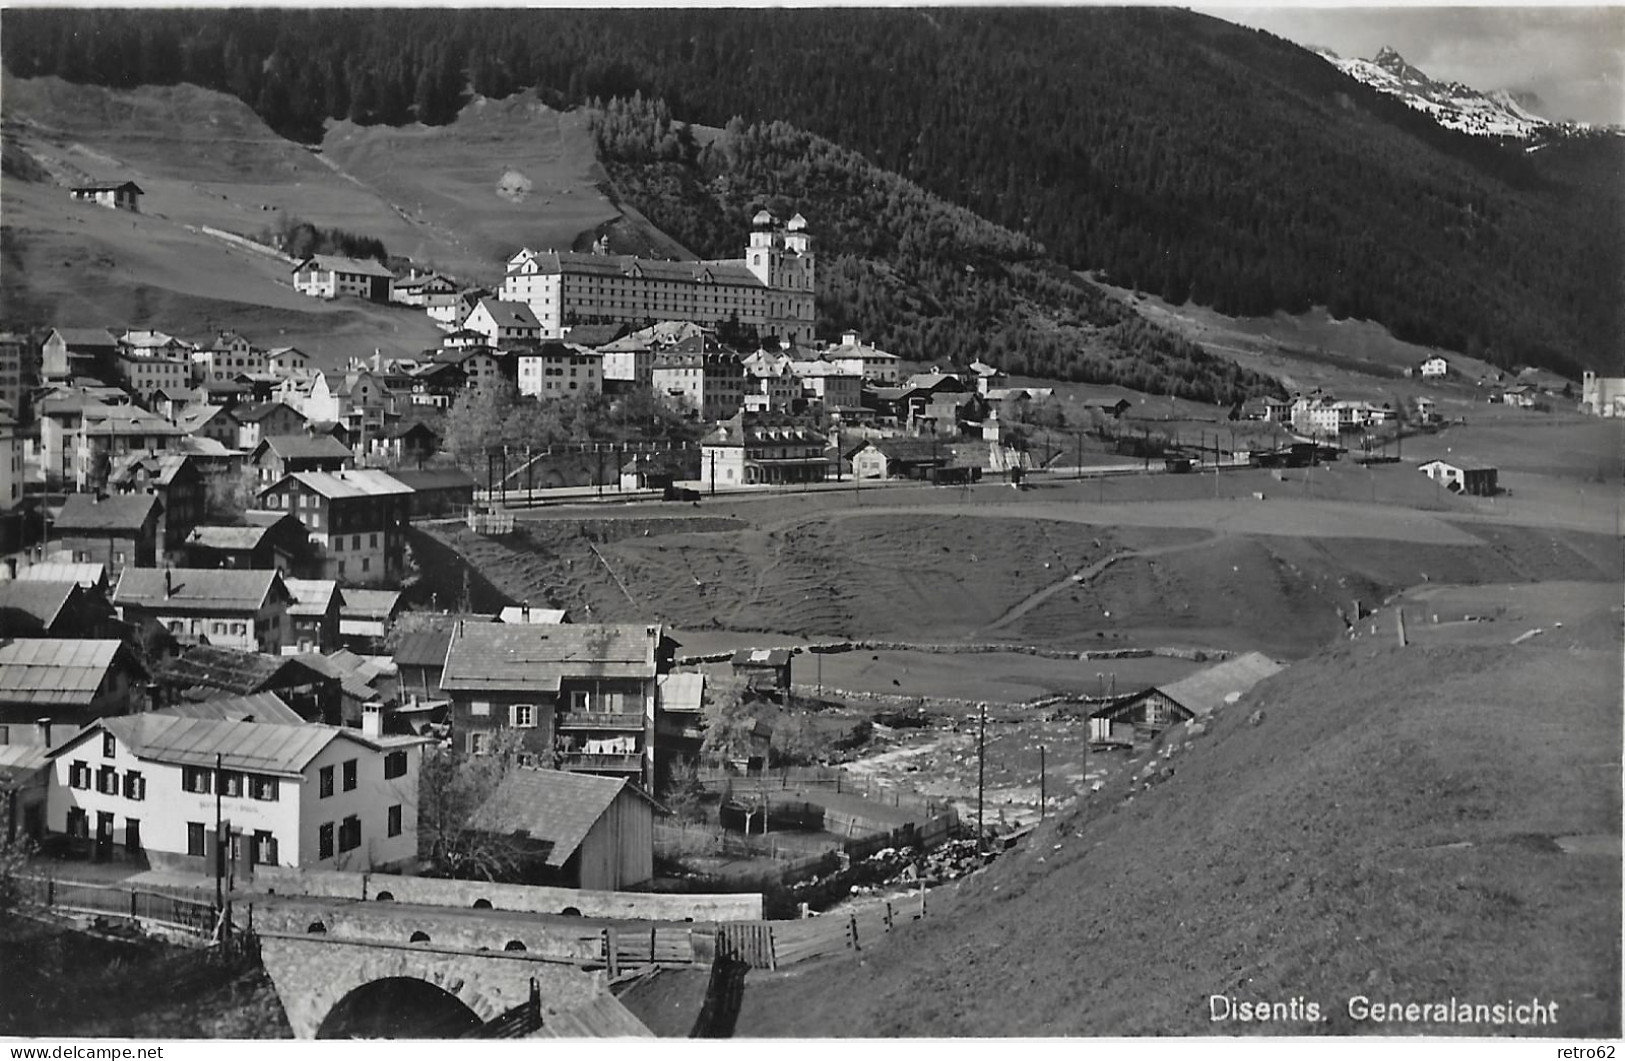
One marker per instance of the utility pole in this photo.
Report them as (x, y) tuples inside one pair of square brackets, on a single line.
[(713, 473), (1079, 436), (981, 777), (219, 835), (1043, 786)]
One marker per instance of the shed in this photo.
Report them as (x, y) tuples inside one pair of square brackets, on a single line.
[(763, 668), (1139, 717), (573, 830), (1463, 478)]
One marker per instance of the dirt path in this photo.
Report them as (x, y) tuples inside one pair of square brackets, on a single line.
[(1084, 575)]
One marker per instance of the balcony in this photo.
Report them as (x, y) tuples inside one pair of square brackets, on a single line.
[(583, 761), (621, 721)]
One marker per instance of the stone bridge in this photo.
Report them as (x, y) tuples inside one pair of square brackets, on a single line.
[(345, 968)]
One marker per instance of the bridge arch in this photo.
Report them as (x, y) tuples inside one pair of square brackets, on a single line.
[(351, 1007)]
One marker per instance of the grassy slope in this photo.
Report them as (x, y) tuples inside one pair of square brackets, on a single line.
[(1304, 856)]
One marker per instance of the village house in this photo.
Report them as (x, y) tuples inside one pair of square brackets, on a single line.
[(365, 616), (206, 672), (153, 788), (437, 491), (629, 362), (1462, 478), (228, 356), (1136, 719), (36, 608), (246, 610), (214, 422), (579, 696), (414, 289), (119, 531), (24, 782), (708, 384), (286, 361), (874, 365), (271, 541), (1602, 395), (679, 724), (11, 461), (900, 458), (504, 324), (108, 433), (72, 353), (146, 375), (409, 444), (265, 419), (751, 448), (985, 377), (115, 195), (175, 480), (280, 455), (313, 617), (50, 686), (571, 830), (332, 276), (153, 344), (357, 521), (89, 575), (1434, 368), (559, 370), (19, 370), (831, 388), (771, 387), (420, 659), (254, 707)]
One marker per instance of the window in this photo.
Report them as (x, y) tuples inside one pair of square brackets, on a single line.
[(194, 838), (395, 820), (264, 848), (79, 774), (479, 707), (261, 787), (239, 629), (324, 841), (231, 783), (324, 782), (394, 765), (366, 563), (478, 742), (522, 715), (350, 833), (374, 541), (78, 823), (349, 774), (196, 779), (132, 834), (135, 786), (107, 781), (341, 568), (109, 745), (355, 541), (338, 545), (579, 700)]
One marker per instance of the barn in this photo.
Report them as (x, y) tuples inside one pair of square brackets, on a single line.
[(572, 830)]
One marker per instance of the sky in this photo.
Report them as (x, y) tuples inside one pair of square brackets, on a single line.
[(1572, 57)]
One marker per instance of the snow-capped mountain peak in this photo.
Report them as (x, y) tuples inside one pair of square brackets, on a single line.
[(1451, 103)]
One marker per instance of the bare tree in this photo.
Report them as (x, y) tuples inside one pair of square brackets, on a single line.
[(452, 785)]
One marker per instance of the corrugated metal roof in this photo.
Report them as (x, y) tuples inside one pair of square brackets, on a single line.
[(256, 707), (194, 588), (235, 671), (312, 596), (88, 575), (360, 482), (234, 538), (535, 658), (1207, 689), (553, 806), (423, 648), (354, 687), (305, 447), (120, 512), (54, 670), (761, 657), (258, 747), (369, 603)]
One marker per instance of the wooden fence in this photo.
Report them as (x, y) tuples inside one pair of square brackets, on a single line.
[(821, 779), (622, 947), (774, 944), (136, 904)]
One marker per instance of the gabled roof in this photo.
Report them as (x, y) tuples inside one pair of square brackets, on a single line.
[(54, 670), (187, 589), (159, 468), (423, 648), (549, 806), (85, 336), (251, 414), (235, 671), (304, 447), (358, 482), (435, 479), (498, 656), (539, 616), (33, 605), (109, 186), (354, 686), (761, 657), (1205, 690), (312, 597), (254, 747), (912, 449), (88, 575), (125, 420), (509, 314), (256, 707), (229, 538), (120, 512), (369, 603), (333, 263), (18, 762)]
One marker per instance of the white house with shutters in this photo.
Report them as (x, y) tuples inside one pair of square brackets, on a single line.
[(143, 788)]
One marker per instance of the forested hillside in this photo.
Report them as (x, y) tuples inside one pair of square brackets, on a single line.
[(1173, 151), (922, 278)]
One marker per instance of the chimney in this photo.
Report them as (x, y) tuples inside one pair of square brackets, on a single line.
[(44, 727), (372, 720), (524, 610)]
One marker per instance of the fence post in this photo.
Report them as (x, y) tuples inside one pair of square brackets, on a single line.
[(132, 904), (50, 891), (922, 901), (610, 948), (772, 948), (888, 915), (652, 931)]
